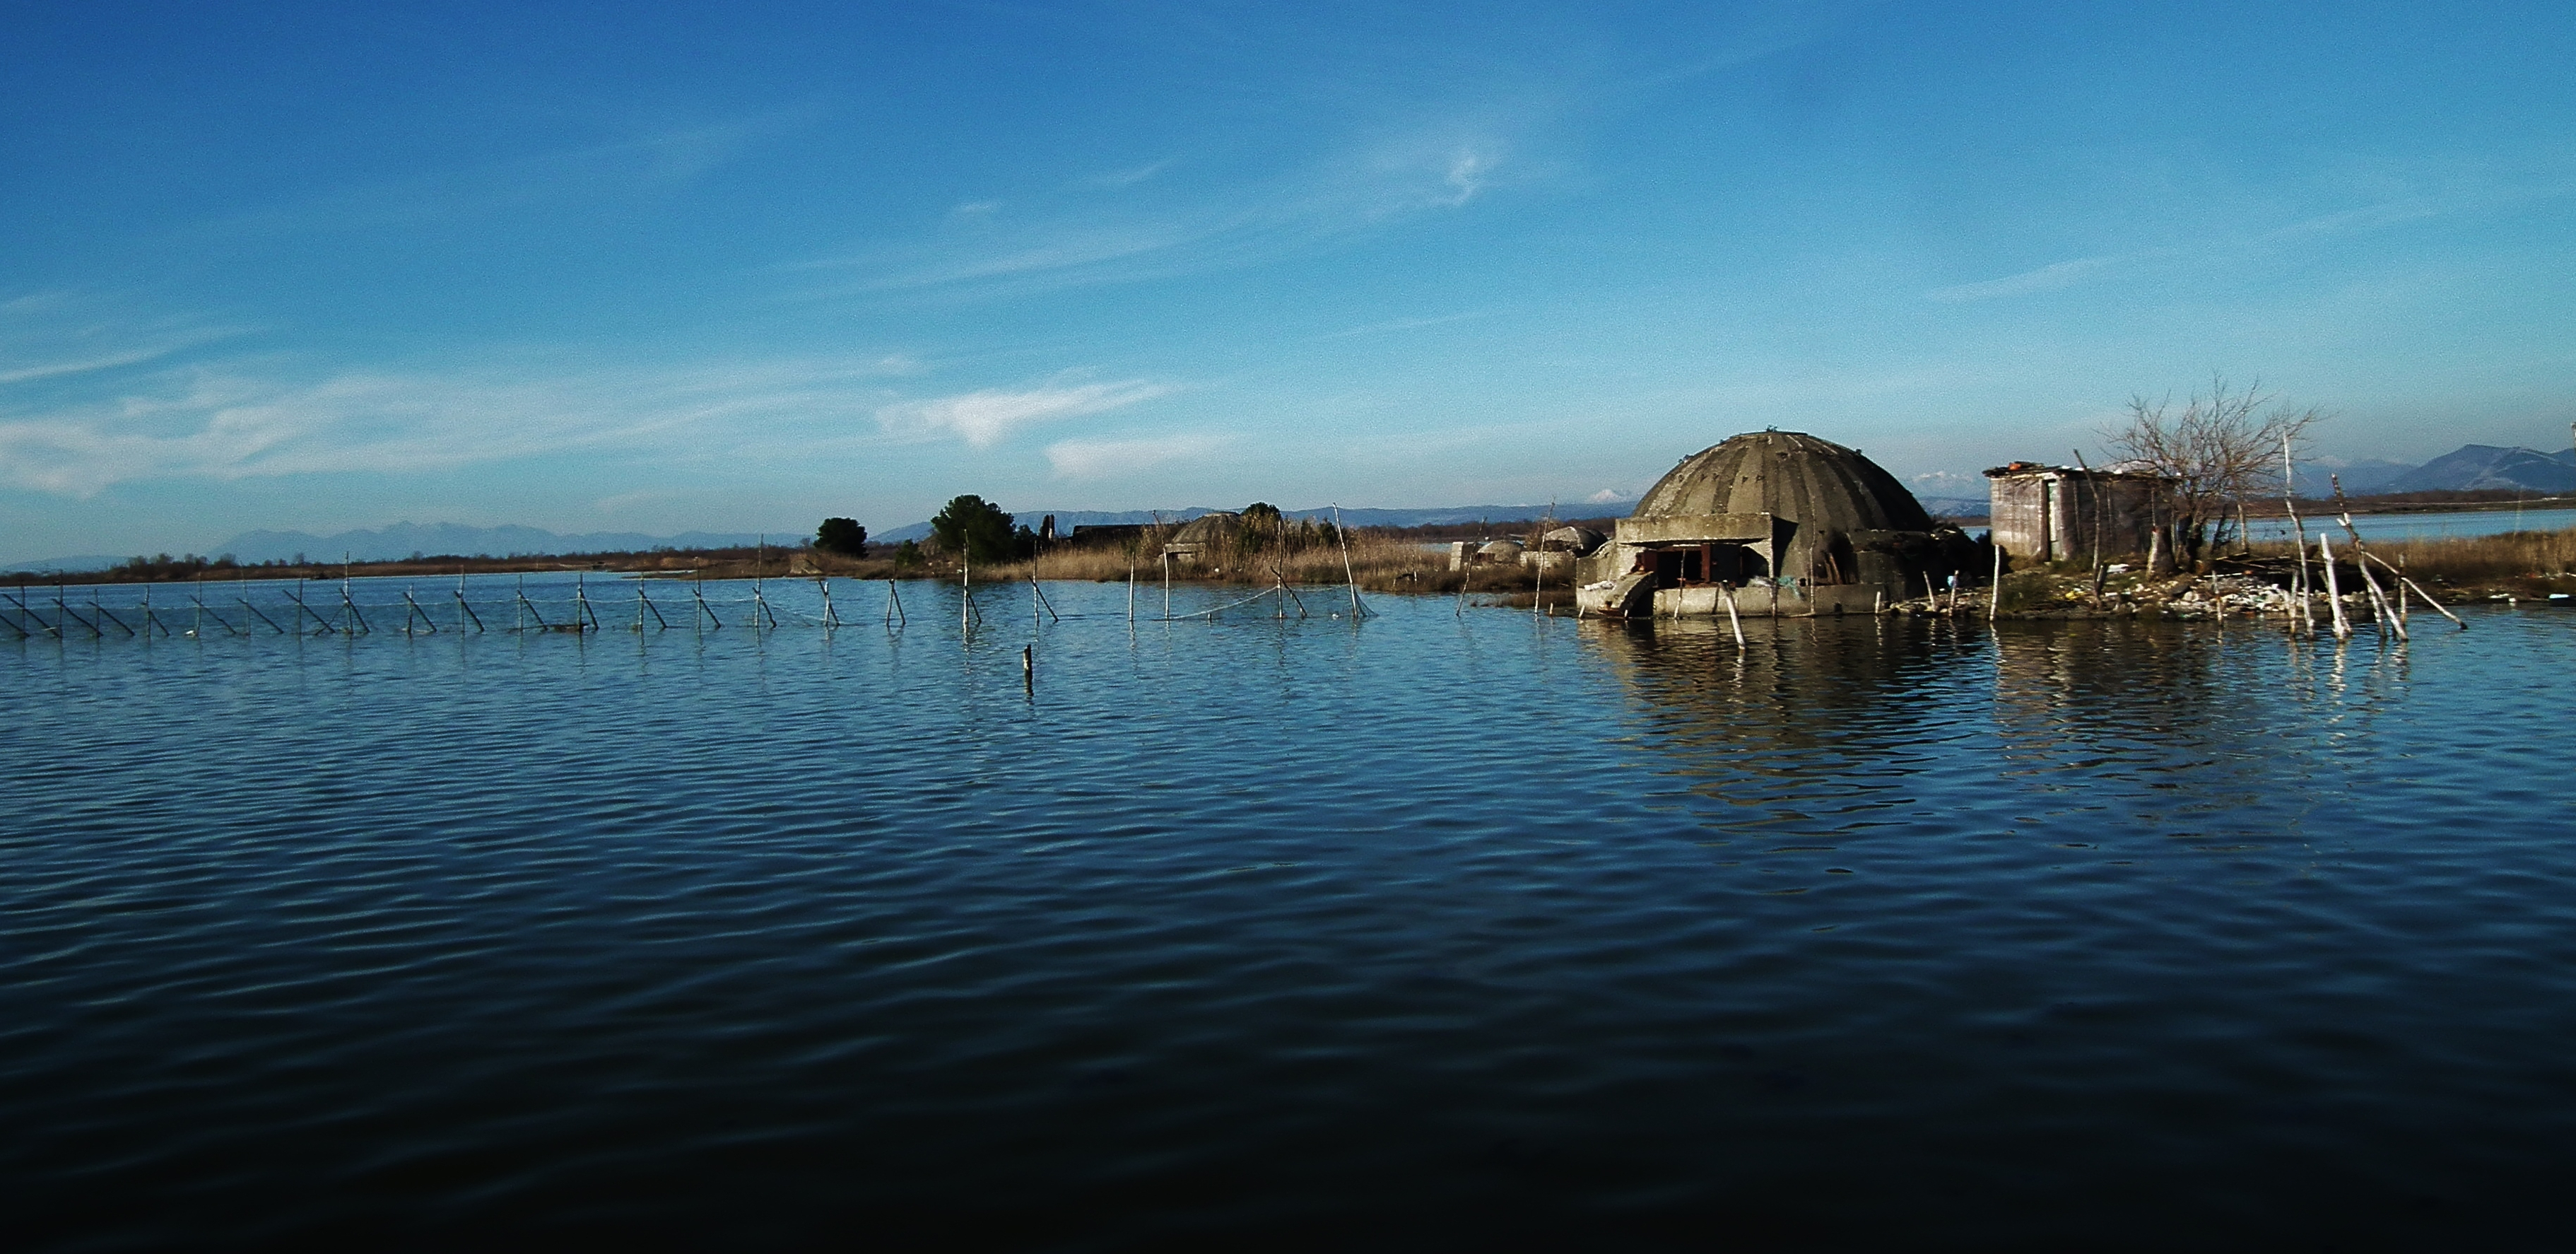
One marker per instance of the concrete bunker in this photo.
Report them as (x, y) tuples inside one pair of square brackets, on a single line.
[(1786, 522)]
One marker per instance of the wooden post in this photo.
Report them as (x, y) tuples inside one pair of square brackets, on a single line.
[(2306, 615), (698, 590), (2361, 562), (1167, 585), (1995, 590), (1131, 591), (1732, 620), (2334, 590), (1350, 576)]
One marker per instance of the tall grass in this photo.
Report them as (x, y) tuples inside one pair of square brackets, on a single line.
[(1380, 564), (2514, 555)]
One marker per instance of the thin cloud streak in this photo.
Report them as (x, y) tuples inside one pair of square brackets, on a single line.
[(1404, 324), (1423, 172), (1102, 459), (659, 159), (232, 421), (2047, 278), (986, 417)]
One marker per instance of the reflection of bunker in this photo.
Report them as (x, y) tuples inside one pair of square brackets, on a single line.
[(1790, 523)]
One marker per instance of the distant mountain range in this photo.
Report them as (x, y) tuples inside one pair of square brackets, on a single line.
[(2484, 467), (2469, 468), (403, 539)]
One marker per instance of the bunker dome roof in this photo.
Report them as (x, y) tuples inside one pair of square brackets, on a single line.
[(1814, 483)]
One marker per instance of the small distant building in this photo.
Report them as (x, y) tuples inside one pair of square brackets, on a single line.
[(2042, 513), (1560, 549), (1466, 553), (1207, 540)]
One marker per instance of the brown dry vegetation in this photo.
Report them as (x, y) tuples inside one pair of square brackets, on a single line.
[(2517, 562), (1380, 562)]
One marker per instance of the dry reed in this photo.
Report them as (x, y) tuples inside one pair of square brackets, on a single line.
[(1380, 564), (2478, 561)]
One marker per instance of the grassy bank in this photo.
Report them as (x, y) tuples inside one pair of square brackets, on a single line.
[(1379, 563), (2516, 563)]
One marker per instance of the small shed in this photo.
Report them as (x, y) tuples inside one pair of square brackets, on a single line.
[(2043, 513), (1207, 540)]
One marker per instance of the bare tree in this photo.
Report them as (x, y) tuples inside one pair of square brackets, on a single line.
[(2216, 451)]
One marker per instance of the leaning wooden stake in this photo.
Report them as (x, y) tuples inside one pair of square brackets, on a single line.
[(2334, 591), (2361, 562), (105, 614), (1732, 620), (2306, 615), (2402, 577), (1995, 589), (1350, 576)]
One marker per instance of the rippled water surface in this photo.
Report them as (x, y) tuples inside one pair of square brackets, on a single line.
[(1437, 930)]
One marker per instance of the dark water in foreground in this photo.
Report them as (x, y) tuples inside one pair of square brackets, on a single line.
[(1436, 932)]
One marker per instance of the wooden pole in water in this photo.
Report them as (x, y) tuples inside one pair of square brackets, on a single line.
[(2384, 620), (1732, 620), (2419, 591), (2334, 590), (1029, 666), (2306, 615), (1167, 585), (1131, 592), (1995, 589), (1350, 575), (98, 611)]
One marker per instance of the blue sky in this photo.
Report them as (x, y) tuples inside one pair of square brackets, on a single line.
[(739, 266)]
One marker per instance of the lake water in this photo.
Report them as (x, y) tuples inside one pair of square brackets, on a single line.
[(1435, 930), (2462, 525)]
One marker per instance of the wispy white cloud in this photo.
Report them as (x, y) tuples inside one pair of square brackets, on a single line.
[(659, 158), (1069, 239), (1404, 324), (2365, 218), (986, 417), (55, 369), (2047, 278), (1129, 178), (1100, 459), (253, 418)]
